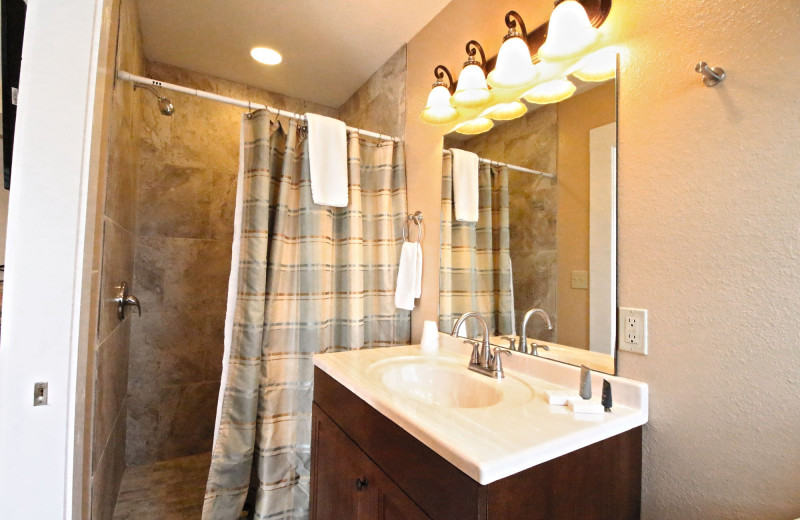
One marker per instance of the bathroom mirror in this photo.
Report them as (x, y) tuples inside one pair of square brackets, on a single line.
[(546, 231)]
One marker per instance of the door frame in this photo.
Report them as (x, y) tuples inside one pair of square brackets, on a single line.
[(49, 256)]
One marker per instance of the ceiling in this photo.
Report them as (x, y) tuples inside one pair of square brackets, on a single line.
[(329, 47)]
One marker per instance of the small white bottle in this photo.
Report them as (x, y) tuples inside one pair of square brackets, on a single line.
[(430, 337)]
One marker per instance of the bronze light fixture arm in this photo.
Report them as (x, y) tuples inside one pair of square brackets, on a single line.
[(440, 71), (474, 48), (512, 19)]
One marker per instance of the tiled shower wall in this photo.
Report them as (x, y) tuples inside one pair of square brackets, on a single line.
[(114, 243), (532, 142), (184, 226)]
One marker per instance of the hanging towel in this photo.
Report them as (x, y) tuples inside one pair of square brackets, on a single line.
[(418, 273), (408, 278), (327, 158), (465, 185)]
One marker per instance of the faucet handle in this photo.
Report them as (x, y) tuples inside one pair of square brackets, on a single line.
[(474, 359), (497, 361), (512, 342)]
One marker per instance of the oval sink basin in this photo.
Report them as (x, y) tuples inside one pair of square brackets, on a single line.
[(440, 383)]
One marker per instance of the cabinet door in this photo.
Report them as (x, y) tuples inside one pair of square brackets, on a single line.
[(391, 503), (339, 473)]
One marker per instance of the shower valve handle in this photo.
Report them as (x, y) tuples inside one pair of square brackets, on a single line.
[(123, 298)]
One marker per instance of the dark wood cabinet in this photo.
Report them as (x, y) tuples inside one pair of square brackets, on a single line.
[(402, 479), (346, 484)]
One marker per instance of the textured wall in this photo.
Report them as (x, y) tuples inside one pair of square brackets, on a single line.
[(379, 104), (708, 236), (184, 219), (115, 237), (576, 117), (530, 141)]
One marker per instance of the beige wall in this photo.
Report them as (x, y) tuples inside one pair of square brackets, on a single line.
[(576, 116), (708, 236), (379, 104)]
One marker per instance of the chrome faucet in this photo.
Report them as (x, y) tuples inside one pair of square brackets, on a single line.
[(483, 361), (485, 354), (523, 339)]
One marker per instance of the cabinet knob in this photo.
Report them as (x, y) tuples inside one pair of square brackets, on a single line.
[(361, 483)]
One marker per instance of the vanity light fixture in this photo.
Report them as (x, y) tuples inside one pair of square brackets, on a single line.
[(550, 92), (598, 66), (475, 126), (514, 66), (266, 55), (439, 111), (506, 111), (570, 44), (472, 90), (570, 32)]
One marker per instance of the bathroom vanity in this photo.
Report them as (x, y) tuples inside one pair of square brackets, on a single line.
[(398, 434)]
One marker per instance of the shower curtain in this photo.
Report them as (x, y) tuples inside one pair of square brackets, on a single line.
[(305, 279), (475, 264)]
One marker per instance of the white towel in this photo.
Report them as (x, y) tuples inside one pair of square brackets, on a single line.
[(418, 273), (409, 276), (465, 185), (327, 157)]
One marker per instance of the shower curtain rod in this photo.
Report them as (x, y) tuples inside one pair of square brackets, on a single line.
[(509, 166), (141, 80)]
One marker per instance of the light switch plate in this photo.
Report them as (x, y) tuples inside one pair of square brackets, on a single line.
[(633, 330), (580, 279)]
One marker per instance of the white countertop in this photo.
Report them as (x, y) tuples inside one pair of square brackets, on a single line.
[(491, 443)]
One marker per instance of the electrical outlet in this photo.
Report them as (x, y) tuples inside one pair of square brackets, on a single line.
[(633, 330)]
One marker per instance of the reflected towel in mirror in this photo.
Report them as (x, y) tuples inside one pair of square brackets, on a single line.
[(465, 185)]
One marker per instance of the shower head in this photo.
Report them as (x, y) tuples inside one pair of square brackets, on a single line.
[(165, 106)]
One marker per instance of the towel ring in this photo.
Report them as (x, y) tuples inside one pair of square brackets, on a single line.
[(417, 219)]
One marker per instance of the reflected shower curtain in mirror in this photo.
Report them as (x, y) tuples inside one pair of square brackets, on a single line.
[(305, 279), (475, 269)]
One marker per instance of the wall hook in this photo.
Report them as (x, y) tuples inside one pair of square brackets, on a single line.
[(711, 75)]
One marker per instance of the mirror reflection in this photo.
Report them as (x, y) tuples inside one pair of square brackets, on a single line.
[(543, 232)]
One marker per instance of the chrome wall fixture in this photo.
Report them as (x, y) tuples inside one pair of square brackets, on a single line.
[(711, 75), (123, 299), (533, 66), (165, 106), (416, 218)]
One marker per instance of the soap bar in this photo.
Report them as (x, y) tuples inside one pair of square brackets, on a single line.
[(559, 397), (581, 405)]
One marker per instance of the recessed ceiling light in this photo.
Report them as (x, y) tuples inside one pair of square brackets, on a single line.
[(266, 56)]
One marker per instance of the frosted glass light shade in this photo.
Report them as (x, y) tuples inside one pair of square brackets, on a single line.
[(475, 126), (471, 90), (550, 92), (439, 111), (514, 66), (506, 111), (598, 66), (570, 33)]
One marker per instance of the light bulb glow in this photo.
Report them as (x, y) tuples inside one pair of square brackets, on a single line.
[(570, 33), (505, 111), (550, 92), (598, 66), (471, 90), (439, 111), (266, 56), (475, 126), (514, 66)]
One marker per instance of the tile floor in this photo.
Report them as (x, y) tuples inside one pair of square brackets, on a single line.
[(168, 490)]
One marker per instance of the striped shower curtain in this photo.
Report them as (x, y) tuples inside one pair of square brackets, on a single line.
[(475, 259), (305, 279)]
